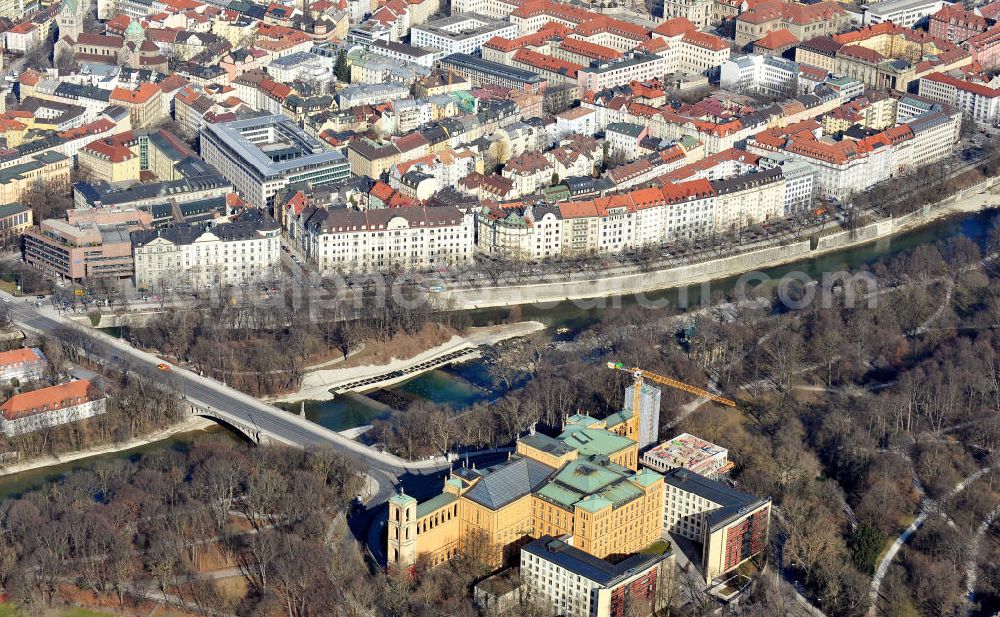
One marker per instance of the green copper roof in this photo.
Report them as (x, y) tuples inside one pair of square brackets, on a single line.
[(593, 503), (688, 142), (546, 444), (581, 419), (559, 495), (589, 441), (401, 499), (435, 503), (619, 417), (620, 493), (133, 28), (646, 477), (586, 476), (454, 482)]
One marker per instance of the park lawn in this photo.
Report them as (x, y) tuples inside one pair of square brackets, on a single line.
[(8, 609), (11, 288)]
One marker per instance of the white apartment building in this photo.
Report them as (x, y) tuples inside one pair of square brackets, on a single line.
[(977, 102), (302, 65), (730, 525), (697, 52), (529, 234), (371, 94), (243, 250), (747, 199), (609, 224), (462, 33), (343, 240), (934, 138), (633, 67), (576, 584), (800, 187), (851, 165), (623, 139), (762, 74), (576, 121), (404, 53), (698, 12), (494, 9)]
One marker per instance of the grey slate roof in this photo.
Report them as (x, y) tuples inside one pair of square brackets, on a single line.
[(586, 565), (732, 501), (12, 209), (501, 484)]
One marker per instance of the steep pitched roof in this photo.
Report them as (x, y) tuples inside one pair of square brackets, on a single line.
[(64, 395), (507, 482)]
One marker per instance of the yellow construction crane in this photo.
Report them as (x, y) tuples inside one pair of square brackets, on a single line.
[(640, 375)]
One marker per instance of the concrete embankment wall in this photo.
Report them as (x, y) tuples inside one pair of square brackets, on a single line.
[(861, 235), (630, 283), (709, 270), (111, 320)]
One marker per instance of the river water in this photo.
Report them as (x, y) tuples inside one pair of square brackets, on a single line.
[(460, 386)]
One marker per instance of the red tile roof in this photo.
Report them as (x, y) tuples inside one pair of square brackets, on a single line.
[(974, 88), (547, 63), (675, 27), (861, 53), (638, 199), (704, 40), (589, 50), (142, 94), (22, 28), (47, 399), (18, 357), (776, 39), (112, 153)]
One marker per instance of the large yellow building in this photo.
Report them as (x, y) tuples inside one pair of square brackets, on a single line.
[(585, 483)]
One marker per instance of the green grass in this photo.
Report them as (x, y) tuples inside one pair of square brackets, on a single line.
[(656, 548), (10, 610), (11, 288)]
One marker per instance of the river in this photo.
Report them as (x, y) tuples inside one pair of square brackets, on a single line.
[(460, 386)]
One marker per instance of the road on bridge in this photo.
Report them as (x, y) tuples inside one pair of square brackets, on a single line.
[(229, 404)]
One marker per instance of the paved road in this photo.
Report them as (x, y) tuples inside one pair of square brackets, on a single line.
[(232, 405)]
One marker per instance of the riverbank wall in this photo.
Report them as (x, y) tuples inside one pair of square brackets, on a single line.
[(972, 199)]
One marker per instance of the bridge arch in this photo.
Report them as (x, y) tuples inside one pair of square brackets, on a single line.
[(250, 433)]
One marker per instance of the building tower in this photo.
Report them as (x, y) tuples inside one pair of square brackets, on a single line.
[(645, 423), (402, 531), (72, 14), (134, 33)]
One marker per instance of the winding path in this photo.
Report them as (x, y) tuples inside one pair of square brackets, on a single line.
[(928, 507), (972, 565)]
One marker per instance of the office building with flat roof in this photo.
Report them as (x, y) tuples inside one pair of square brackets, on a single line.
[(264, 154), (463, 33), (686, 451), (98, 247)]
